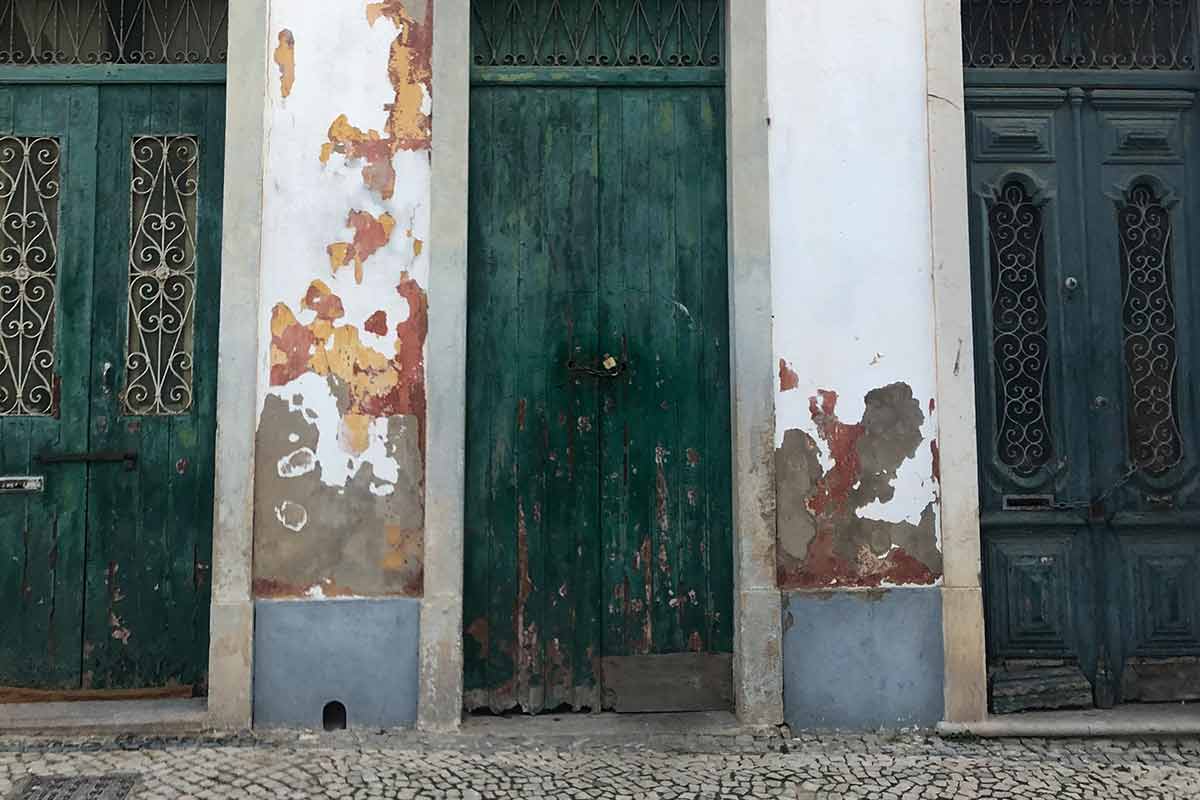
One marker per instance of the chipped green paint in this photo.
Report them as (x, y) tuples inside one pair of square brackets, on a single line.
[(598, 508)]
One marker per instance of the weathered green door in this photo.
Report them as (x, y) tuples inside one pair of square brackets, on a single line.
[(598, 551), (109, 267), (1084, 162)]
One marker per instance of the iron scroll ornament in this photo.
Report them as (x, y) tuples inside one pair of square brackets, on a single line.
[(29, 217), (1079, 34), (1019, 337), (1149, 328), (597, 33), (162, 275)]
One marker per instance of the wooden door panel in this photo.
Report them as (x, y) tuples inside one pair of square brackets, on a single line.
[(1038, 607), (42, 534), (598, 521), (1025, 247), (532, 618), (156, 290), (665, 502)]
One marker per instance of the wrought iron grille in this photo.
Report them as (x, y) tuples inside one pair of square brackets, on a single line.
[(1019, 330), (113, 31), (162, 275), (1148, 318), (29, 192), (1079, 34), (597, 33)]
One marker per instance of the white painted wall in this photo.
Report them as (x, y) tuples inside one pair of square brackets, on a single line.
[(850, 232)]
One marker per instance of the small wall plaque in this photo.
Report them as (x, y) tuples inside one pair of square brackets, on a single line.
[(25, 484)]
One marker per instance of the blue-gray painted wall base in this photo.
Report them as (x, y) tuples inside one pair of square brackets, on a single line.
[(862, 660), (361, 653)]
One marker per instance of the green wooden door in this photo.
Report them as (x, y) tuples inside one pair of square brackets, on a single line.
[(107, 383), (598, 557), (1084, 220)]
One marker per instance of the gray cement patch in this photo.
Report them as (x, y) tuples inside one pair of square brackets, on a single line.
[(360, 653), (863, 660)]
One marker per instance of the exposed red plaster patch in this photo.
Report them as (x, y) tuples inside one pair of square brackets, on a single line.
[(936, 452), (833, 490), (292, 346), (322, 300), (370, 234), (788, 379), (840, 548), (377, 323)]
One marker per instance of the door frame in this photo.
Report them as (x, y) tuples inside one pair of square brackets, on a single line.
[(231, 609), (758, 667), (231, 603)]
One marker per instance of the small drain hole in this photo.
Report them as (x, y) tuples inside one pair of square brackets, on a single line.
[(333, 716)]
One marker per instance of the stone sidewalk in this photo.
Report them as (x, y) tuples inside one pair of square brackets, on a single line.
[(808, 767)]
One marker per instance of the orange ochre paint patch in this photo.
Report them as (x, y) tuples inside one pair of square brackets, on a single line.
[(370, 385), (285, 58), (370, 234)]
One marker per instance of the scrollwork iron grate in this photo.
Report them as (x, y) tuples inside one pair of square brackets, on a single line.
[(29, 194), (597, 33), (1020, 345), (113, 31), (1149, 323), (1079, 34), (162, 275)]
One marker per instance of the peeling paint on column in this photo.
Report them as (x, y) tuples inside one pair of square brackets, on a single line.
[(285, 59), (788, 379), (339, 470), (824, 487)]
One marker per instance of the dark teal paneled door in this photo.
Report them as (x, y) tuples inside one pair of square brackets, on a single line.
[(1084, 162), (598, 530), (110, 199)]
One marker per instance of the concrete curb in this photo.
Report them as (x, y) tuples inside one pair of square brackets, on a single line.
[(1173, 720)]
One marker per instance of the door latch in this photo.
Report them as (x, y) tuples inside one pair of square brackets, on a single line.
[(609, 367), (128, 458)]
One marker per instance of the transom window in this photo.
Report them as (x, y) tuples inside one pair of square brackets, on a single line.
[(597, 33), (36, 32), (1080, 34)]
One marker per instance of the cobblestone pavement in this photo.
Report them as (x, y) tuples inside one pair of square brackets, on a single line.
[(809, 768)]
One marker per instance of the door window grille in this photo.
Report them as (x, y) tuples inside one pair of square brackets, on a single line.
[(1079, 34), (162, 275), (597, 33), (113, 31), (1148, 319), (29, 192), (1020, 343)]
